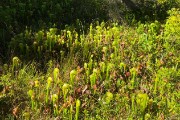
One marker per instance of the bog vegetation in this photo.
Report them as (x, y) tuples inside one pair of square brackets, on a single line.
[(73, 67)]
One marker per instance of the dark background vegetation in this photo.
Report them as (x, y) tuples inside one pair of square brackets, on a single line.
[(17, 15)]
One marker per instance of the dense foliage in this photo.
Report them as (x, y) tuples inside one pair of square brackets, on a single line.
[(88, 70), (16, 16)]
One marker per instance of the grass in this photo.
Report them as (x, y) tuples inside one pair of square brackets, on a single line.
[(112, 72)]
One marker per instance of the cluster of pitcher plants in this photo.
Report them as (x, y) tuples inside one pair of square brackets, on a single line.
[(112, 71)]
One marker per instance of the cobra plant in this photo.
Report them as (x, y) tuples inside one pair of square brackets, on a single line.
[(102, 66), (90, 63), (55, 75), (65, 89), (133, 72), (109, 68), (102, 69), (104, 50), (122, 67), (55, 104), (109, 97), (71, 112), (31, 94), (142, 100), (78, 104), (73, 74), (87, 72), (70, 38), (133, 103), (15, 64), (48, 86), (93, 77)]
